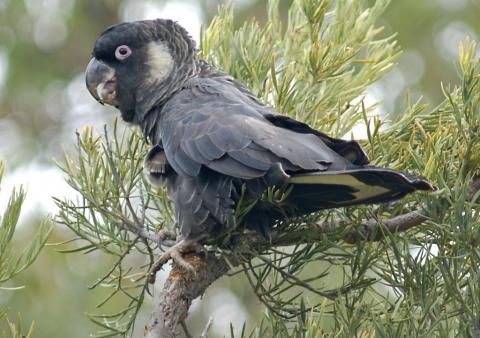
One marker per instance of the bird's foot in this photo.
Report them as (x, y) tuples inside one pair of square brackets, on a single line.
[(166, 235), (176, 254)]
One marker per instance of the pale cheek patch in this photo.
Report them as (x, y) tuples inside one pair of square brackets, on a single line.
[(364, 191), (160, 61)]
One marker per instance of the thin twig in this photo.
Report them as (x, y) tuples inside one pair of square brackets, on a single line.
[(144, 205), (185, 329), (298, 281), (372, 229), (207, 327), (110, 156), (114, 267)]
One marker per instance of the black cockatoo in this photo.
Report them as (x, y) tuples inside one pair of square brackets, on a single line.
[(212, 139)]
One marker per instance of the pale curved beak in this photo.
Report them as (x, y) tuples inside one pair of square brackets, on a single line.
[(101, 82)]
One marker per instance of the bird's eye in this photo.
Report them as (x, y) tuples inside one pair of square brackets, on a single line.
[(122, 52)]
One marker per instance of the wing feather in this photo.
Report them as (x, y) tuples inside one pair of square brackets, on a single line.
[(205, 127), (229, 139), (207, 149), (260, 160), (184, 164), (231, 167)]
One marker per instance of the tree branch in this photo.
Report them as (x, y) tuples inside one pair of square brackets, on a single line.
[(207, 327), (371, 230), (180, 289)]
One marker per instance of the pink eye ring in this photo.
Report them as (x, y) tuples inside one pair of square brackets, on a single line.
[(122, 52)]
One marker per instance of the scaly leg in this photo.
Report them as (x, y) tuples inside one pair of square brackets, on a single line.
[(175, 253)]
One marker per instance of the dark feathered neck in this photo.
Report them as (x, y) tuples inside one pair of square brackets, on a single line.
[(150, 123)]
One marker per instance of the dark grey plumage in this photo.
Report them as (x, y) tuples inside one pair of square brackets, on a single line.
[(215, 137)]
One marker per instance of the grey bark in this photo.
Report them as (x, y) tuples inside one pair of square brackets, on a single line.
[(180, 289)]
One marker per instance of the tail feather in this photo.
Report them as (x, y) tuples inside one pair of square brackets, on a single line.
[(365, 185)]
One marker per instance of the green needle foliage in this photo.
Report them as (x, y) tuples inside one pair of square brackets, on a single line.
[(114, 209), (13, 262), (311, 67), (315, 67)]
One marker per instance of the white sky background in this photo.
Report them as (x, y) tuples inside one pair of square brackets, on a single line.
[(43, 181)]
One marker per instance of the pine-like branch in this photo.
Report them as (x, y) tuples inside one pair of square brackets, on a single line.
[(182, 287), (314, 67)]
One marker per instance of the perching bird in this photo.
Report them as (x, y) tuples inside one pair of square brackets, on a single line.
[(212, 138)]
